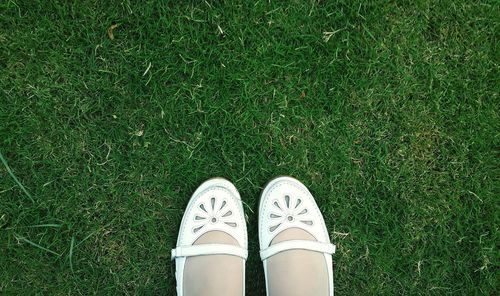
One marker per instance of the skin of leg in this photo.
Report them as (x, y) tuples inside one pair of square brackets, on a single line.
[(214, 275), (297, 272)]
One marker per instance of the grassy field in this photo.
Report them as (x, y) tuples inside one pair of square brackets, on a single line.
[(388, 111)]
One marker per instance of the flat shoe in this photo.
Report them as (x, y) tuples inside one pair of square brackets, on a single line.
[(214, 206), (287, 204)]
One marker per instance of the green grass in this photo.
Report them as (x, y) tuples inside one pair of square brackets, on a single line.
[(387, 110)]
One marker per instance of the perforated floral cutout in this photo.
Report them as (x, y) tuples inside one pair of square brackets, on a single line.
[(214, 212), (289, 209)]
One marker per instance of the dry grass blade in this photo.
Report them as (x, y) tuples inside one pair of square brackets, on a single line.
[(111, 29)]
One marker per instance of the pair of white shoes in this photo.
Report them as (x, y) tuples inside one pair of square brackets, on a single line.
[(285, 204)]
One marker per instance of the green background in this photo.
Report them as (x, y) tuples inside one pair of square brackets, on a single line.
[(386, 110)]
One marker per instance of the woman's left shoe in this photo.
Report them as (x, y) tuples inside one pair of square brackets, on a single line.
[(212, 245)]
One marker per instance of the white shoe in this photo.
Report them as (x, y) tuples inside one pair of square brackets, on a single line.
[(214, 206), (286, 204)]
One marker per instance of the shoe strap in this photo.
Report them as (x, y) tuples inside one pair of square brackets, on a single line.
[(307, 245), (209, 249)]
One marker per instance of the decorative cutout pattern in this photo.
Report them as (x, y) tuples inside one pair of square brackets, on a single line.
[(212, 212), (289, 209)]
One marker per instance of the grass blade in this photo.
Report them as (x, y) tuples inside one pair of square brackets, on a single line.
[(36, 226), (45, 225), (71, 253), (15, 178), (21, 238)]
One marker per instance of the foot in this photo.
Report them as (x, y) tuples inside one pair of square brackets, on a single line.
[(295, 246), (212, 245), (208, 275)]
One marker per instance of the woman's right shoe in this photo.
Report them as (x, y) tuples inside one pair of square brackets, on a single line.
[(295, 246)]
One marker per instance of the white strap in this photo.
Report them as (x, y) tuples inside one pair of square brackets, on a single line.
[(208, 249), (315, 246)]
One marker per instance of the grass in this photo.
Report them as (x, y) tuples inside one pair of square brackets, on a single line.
[(387, 110)]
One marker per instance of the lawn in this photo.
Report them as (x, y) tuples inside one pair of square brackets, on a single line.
[(113, 112)]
